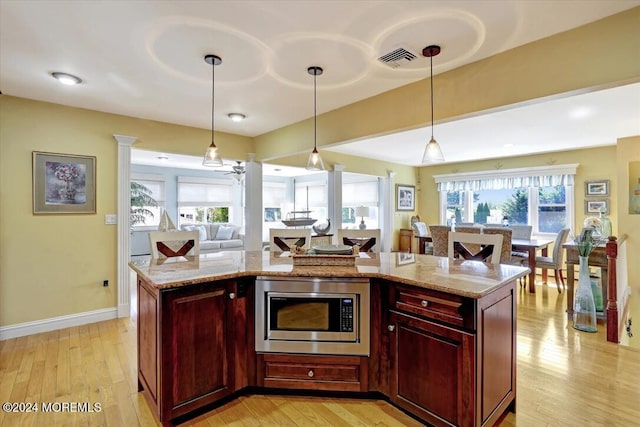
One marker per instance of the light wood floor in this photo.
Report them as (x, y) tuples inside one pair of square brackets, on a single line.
[(565, 378)]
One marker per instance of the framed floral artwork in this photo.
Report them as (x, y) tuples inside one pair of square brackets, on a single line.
[(64, 184), (405, 197)]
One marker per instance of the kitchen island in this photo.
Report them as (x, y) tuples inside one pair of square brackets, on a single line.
[(442, 335)]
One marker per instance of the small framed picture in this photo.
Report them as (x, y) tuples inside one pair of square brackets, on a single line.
[(405, 258), (596, 188), (596, 206), (405, 197), (64, 184)]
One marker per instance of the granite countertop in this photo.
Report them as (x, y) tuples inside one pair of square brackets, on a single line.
[(465, 278)]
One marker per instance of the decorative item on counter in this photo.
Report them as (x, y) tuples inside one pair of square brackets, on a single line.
[(584, 307), (505, 221), (322, 228)]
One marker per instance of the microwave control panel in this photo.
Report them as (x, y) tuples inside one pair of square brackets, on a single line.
[(346, 315)]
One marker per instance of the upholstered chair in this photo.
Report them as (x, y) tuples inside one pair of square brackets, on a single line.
[(555, 261)]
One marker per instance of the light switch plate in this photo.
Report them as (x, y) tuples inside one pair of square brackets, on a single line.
[(111, 219)]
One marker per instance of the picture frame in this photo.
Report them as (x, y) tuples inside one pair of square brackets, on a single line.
[(405, 197), (596, 188), (403, 258), (594, 207), (63, 183)]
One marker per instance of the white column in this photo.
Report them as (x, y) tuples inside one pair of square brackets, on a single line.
[(253, 205), (388, 211), (334, 209), (124, 208)]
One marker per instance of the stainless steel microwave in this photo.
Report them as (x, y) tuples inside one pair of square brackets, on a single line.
[(312, 315)]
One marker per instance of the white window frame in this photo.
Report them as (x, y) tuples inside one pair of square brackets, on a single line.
[(525, 175)]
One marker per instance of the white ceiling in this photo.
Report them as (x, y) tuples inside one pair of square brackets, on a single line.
[(145, 59)]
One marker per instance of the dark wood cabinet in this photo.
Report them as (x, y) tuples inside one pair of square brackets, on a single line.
[(447, 359), (452, 359), (313, 372), (191, 341)]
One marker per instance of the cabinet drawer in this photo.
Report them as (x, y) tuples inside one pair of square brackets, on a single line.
[(313, 372), (451, 309)]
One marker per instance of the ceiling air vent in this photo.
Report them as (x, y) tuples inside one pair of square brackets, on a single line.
[(397, 58)]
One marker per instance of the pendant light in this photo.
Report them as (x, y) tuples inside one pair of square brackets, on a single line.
[(432, 152), (315, 161), (212, 156)]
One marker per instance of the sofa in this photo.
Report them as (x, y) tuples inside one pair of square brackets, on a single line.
[(217, 236)]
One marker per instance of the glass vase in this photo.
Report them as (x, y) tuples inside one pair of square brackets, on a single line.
[(584, 307)]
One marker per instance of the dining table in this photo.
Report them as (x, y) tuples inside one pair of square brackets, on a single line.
[(531, 246)]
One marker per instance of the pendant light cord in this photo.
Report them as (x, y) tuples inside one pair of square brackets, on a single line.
[(315, 108), (431, 81), (213, 79)]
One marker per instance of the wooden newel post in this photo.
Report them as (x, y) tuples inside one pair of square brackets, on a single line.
[(612, 291)]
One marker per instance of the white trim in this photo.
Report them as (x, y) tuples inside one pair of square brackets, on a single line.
[(55, 323), (568, 169), (124, 227)]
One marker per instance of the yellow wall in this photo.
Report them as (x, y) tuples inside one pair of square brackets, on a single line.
[(54, 265), (628, 150)]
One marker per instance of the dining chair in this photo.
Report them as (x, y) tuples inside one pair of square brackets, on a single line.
[(439, 239), (420, 230), (367, 239), (470, 228), (505, 249), (168, 244), (282, 239), (490, 243), (554, 262)]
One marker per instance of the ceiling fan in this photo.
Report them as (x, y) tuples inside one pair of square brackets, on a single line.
[(237, 171)]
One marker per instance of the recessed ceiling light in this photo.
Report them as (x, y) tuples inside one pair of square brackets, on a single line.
[(580, 113), (508, 145), (237, 117), (66, 79)]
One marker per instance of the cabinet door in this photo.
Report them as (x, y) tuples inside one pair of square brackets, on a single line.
[(432, 370), (196, 349)]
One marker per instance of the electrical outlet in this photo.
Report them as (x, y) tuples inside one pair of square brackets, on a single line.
[(105, 283)]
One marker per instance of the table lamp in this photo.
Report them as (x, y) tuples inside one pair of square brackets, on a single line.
[(362, 211)]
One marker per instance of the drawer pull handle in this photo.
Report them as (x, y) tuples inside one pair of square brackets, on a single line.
[(310, 373), (424, 303), (232, 296), (391, 328)]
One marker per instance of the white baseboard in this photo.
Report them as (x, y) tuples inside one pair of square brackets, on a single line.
[(54, 323)]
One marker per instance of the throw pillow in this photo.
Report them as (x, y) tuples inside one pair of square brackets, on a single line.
[(224, 233), (202, 231)]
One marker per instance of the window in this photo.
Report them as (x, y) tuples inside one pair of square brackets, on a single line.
[(312, 195), (274, 197), (359, 190), (539, 196), (552, 209), (144, 189), (204, 200)]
